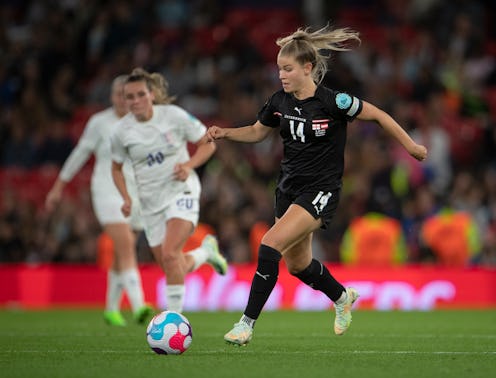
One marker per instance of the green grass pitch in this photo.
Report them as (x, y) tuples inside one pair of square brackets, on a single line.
[(76, 343)]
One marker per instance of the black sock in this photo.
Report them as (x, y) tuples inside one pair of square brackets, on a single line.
[(263, 281), (318, 277)]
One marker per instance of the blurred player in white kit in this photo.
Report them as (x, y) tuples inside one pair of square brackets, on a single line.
[(123, 274)]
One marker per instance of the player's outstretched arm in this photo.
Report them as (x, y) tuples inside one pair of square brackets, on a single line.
[(247, 134), (204, 151), (373, 113)]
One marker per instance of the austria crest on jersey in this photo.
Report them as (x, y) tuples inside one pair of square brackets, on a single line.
[(319, 126)]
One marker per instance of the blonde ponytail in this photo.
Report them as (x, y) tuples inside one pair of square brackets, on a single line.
[(306, 46)]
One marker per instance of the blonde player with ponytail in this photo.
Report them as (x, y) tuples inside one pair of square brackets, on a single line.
[(312, 121)]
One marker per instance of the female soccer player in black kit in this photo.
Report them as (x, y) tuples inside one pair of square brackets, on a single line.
[(312, 120)]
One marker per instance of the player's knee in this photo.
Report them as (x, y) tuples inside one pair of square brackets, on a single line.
[(170, 257), (304, 270), (273, 241), (295, 270)]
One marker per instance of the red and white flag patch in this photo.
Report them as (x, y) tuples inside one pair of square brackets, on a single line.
[(320, 124)]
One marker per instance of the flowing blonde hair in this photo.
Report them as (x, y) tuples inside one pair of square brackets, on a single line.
[(155, 82), (308, 47)]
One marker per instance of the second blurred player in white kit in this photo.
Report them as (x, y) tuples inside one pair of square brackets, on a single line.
[(124, 274)]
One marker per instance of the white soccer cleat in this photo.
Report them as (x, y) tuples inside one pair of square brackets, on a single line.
[(215, 258), (343, 312), (240, 335)]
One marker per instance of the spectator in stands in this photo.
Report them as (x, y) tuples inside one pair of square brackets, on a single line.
[(313, 121), (438, 167), (487, 256), (154, 136), (56, 146), (124, 274), (452, 237), (20, 149), (11, 241), (374, 240)]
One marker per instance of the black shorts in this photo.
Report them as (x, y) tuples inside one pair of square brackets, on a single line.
[(321, 205)]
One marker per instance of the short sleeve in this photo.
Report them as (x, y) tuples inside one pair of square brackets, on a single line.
[(190, 128), (268, 115), (91, 136), (194, 129)]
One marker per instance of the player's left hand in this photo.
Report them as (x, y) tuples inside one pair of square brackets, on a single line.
[(419, 152), (181, 172)]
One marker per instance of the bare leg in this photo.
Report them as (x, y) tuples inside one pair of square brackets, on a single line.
[(174, 263)]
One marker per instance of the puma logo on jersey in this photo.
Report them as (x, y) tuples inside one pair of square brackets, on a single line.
[(298, 110)]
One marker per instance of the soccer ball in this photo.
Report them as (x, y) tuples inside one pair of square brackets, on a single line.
[(169, 333)]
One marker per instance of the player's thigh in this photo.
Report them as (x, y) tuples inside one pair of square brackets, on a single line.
[(171, 227), (167, 237), (182, 218), (293, 227), (178, 232)]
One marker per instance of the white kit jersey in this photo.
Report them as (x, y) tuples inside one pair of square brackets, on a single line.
[(154, 148), (96, 140)]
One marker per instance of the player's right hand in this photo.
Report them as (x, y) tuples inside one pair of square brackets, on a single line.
[(52, 200), (126, 207), (214, 133)]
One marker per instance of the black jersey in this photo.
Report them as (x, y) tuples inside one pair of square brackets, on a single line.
[(314, 136)]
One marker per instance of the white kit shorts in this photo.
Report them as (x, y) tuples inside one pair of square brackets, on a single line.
[(183, 206)]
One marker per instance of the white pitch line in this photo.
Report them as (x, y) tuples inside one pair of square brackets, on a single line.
[(425, 336), (247, 350)]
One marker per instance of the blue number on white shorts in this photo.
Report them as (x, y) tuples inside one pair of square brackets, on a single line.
[(185, 203)]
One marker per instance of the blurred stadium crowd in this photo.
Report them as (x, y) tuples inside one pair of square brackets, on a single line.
[(430, 63)]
